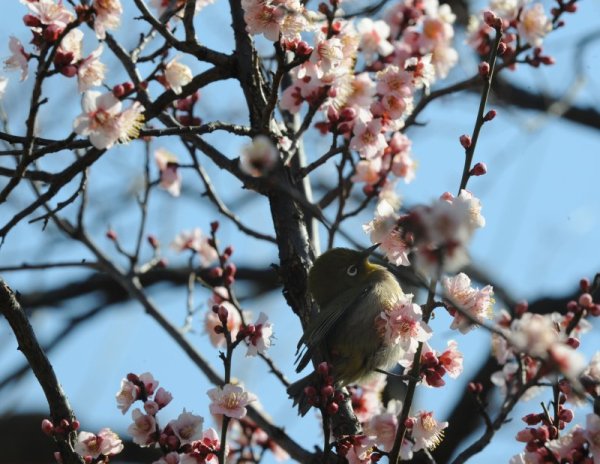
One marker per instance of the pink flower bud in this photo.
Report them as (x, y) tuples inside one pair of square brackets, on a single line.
[(128, 86), (348, 114), (323, 369), (566, 415), (573, 342), (228, 251), (47, 427), (75, 425), (332, 114), (491, 114), (303, 49), (502, 48), (327, 391), (521, 308), (68, 71), (111, 235), (584, 285), (332, 408), (52, 32), (214, 226), (484, 69), (570, 7), (118, 90), (586, 300), (153, 241), (162, 397), (223, 314), (479, 169), (532, 419), (215, 273), (465, 141), (31, 21)]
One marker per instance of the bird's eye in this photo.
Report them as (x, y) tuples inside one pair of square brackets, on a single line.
[(352, 270)]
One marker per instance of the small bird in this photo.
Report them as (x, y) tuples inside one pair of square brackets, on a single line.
[(351, 292)]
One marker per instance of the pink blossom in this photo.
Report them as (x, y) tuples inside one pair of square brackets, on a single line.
[(534, 334), (506, 9), (143, 429), (373, 39), (108, 16), (422, 71), (368, 171), (592, 434), (463, 298), (566, 447), (127, 395), (3, 84), (383, 229), (106, 443), (443, 59), (149, 382), (259, 157), (360, 450), (452, 359), (383, 426), (162, 397), (196, 241), (260, 339), (187, 427), (566, 360), (395, 81), (50, 13), (328, 55), (234, 323), (368, 139), (168, 166), (103, 121), (19, 58), (534, 25), (402, 325), (592, 373), (177, 75), (263, 18), (90, 71), (426, 431), (230, 400), (366, 398)]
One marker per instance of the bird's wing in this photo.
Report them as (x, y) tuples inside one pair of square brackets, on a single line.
[(327, 317)]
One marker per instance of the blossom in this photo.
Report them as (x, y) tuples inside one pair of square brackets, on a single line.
[(106, 443), (162, 397), (177, 75), (422, 71), (402, 324), (534, 334), (108, 16), (426, 431), (368, 171), (230, 400), (90, 71), (196, 241), (168, 166), (259, 156), (534, 25), (170, 458), (50, 13), (452, 359), (383, 229), (592, 434), (187, 427), (368, 139), (263, 18), (476, 303), (259, 339), (3, 84), (373, 38), (127, 395), (150, 384), (143, 428), (359, 449), (103, 121), (383, 426), (234, 323), (19, 58)]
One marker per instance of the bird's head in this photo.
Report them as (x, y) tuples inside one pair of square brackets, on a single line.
[(339, 269)]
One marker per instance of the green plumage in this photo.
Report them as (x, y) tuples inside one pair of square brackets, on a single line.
[(350, 293)]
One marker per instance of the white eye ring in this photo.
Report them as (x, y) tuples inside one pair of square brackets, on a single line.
[(352, 270)]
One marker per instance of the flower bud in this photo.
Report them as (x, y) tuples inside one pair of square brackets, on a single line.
[(491, 114), (479, 169), (47, 427), (111, 235), (465, 141), (586, 300), (484, 69), (332, 408)]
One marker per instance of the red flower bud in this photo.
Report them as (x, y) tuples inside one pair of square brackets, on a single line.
[(484, 69), (153, 241), (47, 427), (111, 235), (323, 369), (586, 300), (223, 314), (31, 21), (479, 169), (465, 141), (491, 114), (332, 408), (214, 226), (215, 273)]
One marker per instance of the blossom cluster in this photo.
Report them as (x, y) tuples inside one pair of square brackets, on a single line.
[(437, 235)]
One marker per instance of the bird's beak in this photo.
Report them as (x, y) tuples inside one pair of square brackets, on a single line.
[(369, 251)]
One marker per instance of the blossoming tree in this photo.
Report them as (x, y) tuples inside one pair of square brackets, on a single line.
[(327, 96)]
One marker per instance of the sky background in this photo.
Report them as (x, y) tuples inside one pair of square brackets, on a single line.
[(539, 199)]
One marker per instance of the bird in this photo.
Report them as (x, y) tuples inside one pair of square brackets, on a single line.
[(351, 293)]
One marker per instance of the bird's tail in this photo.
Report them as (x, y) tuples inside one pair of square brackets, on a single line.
[(297, 393)]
